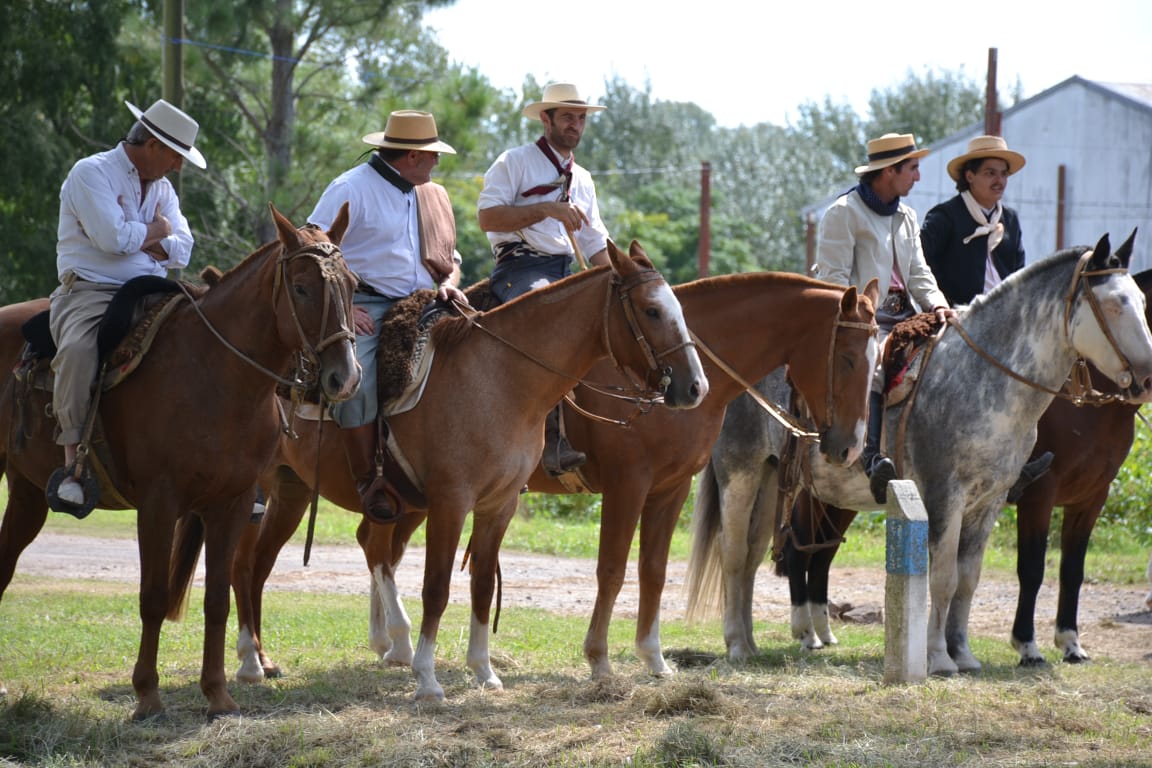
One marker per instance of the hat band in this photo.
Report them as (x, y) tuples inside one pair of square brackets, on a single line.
[(162, 133), (891, 153), (411, 141)]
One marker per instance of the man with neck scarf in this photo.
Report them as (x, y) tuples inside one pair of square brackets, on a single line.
[(401, 238), (869, 233), (972, 241), (539, 210)]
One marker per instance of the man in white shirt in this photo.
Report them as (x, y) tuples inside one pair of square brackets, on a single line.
[(119, 219), (537, 207)]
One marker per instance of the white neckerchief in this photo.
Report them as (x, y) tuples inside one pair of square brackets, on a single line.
[(990, 226)]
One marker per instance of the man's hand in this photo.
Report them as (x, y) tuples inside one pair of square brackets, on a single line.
[(451, 293), (568, 214), (362, 321), (158, 229)]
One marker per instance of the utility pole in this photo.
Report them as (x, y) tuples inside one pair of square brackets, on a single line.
[(173, 68), (991, 106), (704, 257)]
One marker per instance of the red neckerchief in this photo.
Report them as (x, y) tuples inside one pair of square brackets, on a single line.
[(565, 175)]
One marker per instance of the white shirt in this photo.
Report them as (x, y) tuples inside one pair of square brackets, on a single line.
[(382, 244), (104, 220), (525, 167)]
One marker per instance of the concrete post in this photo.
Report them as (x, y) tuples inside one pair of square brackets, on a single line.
[(906, 586)]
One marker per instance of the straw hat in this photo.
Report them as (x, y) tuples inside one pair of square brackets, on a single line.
[(890, 149), (559, 95), (986, 146), (409, 129), (172, 127)]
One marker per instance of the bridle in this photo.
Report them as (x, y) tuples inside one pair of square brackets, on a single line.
[(1078, 389), (331, 265)]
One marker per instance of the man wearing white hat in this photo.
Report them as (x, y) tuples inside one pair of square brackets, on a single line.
[(972, 242), (539, 209), (401, 238), (120, 218), (868, 233)]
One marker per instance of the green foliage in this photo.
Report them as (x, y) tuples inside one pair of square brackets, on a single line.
[(1128, 508)]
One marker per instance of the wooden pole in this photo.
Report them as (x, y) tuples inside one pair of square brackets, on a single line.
[(1060, 202), (173, 68), (704, 257), (991, 108)]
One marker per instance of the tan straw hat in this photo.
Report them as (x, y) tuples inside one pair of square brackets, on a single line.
[(890, 149), (559, 95), (171, 127), (986, 146), (409, 129)]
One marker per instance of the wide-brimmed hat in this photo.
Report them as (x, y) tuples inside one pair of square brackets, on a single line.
[(172, 127), (890, 149), (986, 146), (409, 129), (559, 95)]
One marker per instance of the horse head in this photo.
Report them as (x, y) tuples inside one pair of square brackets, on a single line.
[(652, 338), (1106, 319), (317, 287), (852, 356)]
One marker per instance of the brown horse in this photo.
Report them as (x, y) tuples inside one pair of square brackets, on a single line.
[(189, 431), (475, 436), (1089, 444), (752, 322)]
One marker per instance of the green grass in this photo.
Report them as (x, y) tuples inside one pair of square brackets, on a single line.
[(68, 649)]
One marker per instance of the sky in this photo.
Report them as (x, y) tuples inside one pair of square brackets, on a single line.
[(752, 61)]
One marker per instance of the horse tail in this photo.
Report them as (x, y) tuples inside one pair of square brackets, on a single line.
[(186, 545), (703, 581)]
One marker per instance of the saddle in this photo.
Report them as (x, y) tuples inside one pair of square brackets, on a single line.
[(902, 355), (126, 332)]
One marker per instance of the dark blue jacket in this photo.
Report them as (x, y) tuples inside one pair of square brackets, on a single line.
[(959, 268)]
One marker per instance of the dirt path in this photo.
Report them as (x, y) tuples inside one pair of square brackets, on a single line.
[(1113, 621)]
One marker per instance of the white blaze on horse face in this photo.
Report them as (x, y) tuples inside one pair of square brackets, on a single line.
[(672, 310), (1122, 306)]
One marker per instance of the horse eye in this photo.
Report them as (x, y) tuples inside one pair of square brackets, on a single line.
[(652, 312), (300, 290)]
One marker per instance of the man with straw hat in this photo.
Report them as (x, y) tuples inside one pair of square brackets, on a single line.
[(120, 218), (401, 238), (868, 233), (972, 241), (539, 209)]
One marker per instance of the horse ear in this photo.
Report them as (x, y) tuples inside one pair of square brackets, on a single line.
[(1102, 252), (1124, 252), (614, 256), (288, 234), (638, 254), (848, 301), (340, 225), (872, 291)]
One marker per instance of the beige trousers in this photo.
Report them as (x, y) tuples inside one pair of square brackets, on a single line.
[(77, 306)]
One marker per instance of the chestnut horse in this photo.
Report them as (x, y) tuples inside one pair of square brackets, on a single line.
[(1089, 443), (475, 436), (189, 431), (751, 323), (966, 434)]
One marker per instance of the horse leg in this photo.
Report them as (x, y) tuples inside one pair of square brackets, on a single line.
[(619, 514), (969, 561), (759, 540), (942, 586), (24, 518), (443, 535), (487, 534), (256, 553), (389, 628), (1033, 520), (834, 522), (154, 534), (738, 500), (223, 525), (794, 565), (1079, 521), (658, 523)]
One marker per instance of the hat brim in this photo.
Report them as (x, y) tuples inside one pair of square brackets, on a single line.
[(532, 111), (191, 154), (377, 140), (1015, 160), (876, 165)]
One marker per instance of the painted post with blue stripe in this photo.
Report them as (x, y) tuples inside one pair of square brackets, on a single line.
[(906, 586)]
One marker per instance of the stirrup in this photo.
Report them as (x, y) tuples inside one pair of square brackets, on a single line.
[(379, 502), (87, 482)]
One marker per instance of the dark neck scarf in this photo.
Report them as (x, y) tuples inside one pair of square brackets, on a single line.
[(562, 183), (875, 203), (389, 173)]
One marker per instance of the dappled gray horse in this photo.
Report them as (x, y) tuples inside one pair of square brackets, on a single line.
[(967, 433)]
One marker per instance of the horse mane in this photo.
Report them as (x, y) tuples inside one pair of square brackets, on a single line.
[(1057, 260), (452, 331), (782, 278)]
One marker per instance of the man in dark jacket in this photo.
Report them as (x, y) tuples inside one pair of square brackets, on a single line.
[(972, 241)]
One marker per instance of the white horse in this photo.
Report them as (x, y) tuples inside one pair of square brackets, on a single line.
[(967, 433)]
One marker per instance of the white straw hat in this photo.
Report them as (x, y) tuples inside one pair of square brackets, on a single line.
[(172, 127)]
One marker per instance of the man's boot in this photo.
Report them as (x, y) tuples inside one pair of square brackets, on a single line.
[(877, 466), (559, 456), (378, 501), (1031, 472)]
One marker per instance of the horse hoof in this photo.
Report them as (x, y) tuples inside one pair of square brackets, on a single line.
[(1033, 662), (216, 716), (1076, 659)]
